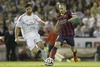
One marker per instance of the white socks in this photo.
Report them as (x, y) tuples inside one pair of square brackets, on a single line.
[(44, 54)]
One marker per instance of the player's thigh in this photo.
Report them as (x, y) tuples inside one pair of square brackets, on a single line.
[(59, 41), (40, 44), (57, 44), (30, 43), (70, 41), (39, 41)]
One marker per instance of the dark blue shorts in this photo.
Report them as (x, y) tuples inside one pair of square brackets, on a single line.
[(69, 39)]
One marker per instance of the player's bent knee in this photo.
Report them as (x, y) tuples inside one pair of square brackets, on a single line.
[(57, 44), (40, 45)]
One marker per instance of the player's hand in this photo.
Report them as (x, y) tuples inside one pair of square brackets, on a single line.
[(16, 40)]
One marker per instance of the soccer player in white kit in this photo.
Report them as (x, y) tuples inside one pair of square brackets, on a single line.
[(28, 24)]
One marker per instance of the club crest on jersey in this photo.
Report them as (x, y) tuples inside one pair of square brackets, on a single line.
[(29, 24), (63, 21)]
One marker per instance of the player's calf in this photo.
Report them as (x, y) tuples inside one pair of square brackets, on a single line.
[(75, 56)]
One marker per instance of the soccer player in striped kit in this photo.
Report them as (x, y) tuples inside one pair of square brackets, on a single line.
[(65, 29)]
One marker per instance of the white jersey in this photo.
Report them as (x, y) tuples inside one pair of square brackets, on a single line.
[(29, 25)]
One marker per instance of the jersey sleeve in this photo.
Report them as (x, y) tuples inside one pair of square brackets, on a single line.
[(19, 22), (37, 18), (59, 17)]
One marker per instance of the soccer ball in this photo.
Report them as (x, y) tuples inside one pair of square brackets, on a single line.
[(49, 61)]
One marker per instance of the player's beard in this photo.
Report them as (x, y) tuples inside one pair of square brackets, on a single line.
[(63, 11), (29, 13)]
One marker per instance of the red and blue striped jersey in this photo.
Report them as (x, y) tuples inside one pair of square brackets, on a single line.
[(66, 28)]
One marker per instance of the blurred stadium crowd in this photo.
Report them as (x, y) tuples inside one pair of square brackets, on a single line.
[(88, 12), (87, 24)]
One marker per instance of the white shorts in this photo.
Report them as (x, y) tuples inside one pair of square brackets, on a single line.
[(31, 42)]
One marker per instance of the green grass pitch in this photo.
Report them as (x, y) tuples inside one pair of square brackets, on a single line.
[(56, 64)]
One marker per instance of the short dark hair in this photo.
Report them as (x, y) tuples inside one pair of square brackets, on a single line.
[(62, 4), (27, 5)]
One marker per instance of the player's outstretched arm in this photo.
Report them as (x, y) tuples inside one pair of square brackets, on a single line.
[(42, 22), (57, 26), (17, 30)]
